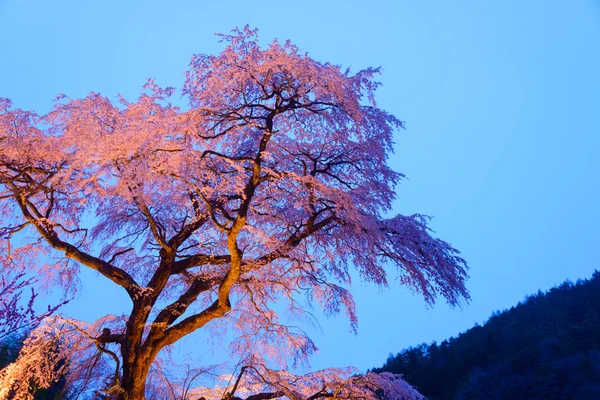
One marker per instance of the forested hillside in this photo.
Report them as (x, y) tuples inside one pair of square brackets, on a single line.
[(546, 347)]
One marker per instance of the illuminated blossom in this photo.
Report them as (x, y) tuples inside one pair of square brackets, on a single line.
[(255, 202)]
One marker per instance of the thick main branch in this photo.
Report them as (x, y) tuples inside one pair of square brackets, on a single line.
[(115, 274)]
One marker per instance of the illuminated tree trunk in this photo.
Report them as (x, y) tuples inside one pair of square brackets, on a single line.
[(136, 358), (135, 371)]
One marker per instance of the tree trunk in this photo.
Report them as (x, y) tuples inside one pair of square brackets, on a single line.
[(133, 383)]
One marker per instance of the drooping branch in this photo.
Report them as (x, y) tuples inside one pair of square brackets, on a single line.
[(44, 228)]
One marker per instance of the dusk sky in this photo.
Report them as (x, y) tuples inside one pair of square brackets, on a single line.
[(501, 102)]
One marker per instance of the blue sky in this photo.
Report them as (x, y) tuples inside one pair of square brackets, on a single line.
[(501, 101)]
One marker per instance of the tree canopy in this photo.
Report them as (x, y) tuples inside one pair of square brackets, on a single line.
[(260, 196)]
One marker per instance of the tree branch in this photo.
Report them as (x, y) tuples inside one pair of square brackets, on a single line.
[(198, 260), (115, 274), (169, 314)]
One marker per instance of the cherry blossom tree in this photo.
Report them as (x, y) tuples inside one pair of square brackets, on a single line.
[(17, 295), (15, 315), (235, 214)]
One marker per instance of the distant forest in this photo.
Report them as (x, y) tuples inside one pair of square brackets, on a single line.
[(546, 347)]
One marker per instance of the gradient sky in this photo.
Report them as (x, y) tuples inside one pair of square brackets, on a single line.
[(501, 100)]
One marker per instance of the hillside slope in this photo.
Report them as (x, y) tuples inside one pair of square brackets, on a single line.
[(546, 347)]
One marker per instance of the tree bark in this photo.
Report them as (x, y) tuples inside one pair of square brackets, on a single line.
[(133, 384)]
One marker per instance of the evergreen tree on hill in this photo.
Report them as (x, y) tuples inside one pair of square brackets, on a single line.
[(546, 347)]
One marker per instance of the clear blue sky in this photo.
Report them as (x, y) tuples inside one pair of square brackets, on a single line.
[(501, 100)]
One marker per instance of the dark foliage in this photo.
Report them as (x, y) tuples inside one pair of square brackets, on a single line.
[(547, 347), (9, 349)]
